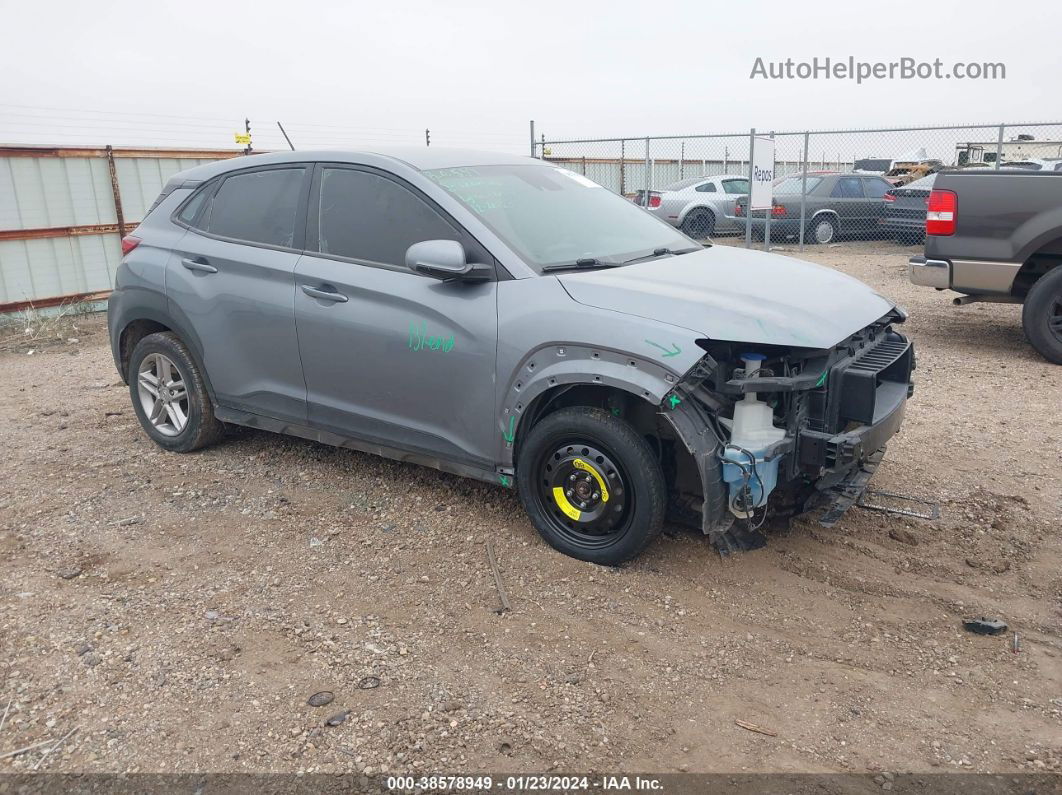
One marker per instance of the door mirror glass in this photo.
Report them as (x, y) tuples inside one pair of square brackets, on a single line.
[(446, 260)]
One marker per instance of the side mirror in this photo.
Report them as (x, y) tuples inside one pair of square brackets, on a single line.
[(445, 260)]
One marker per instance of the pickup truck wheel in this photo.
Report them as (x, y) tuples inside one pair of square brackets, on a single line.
[(591, 485), (698, 224), (1041, 316), (169, 396)]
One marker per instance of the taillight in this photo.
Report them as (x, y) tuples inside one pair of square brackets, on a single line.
[(654, 199), (129, 243), (942, 212), (738, 209), (889, 197), (778, 211)]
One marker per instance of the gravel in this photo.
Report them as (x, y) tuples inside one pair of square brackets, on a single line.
[(191, 640)]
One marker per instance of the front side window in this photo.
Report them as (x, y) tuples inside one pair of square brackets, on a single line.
[(368, 217), (848, 188), (259, 207), (552, 216), (736, 185)]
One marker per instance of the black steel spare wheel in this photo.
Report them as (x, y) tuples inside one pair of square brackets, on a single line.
[(576, 473), (586, 493)]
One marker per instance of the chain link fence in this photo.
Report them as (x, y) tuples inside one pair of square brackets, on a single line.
[(829, 185)]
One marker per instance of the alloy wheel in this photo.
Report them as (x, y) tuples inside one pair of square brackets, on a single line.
[(163, 394), (823, 232)]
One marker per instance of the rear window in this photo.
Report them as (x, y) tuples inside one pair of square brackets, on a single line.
[(258, 207), (791, 185), (736, 185), (926, 183), (684, 183)]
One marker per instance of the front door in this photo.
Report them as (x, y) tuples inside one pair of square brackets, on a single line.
[(390, 356)]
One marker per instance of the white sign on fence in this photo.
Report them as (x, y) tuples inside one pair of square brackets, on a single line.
[(762, 173)]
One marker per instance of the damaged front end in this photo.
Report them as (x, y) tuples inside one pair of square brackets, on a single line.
[(777, 430)]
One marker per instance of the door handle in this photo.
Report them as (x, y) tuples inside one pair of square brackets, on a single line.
[(197, 265), (324, 295)]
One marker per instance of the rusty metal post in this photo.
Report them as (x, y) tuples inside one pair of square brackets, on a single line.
[(116, 191)]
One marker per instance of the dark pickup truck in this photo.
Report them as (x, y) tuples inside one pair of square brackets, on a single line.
[(997, 236)]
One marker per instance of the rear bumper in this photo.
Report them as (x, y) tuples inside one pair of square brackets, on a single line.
[(900, 224), (929, 272), (780, 227)]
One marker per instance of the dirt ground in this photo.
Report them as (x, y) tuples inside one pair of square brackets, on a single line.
[(178, 611)]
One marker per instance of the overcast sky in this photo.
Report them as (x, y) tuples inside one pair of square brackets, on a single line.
[(367, 73)]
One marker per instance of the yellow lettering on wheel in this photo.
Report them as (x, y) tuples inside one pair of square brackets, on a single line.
[(562, 502), (579, 463)]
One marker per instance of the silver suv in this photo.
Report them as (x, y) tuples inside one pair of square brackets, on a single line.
[(506, 320)]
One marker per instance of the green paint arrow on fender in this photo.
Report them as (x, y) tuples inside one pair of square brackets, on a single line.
[(667, 353)]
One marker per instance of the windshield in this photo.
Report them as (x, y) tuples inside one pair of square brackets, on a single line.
[(791, 185), (926, 183), (551, 215)]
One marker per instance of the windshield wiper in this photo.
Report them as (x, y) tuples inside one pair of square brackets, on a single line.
[(589, 262), (660, 252)]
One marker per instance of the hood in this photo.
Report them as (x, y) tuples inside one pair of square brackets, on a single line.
[(736, 295)]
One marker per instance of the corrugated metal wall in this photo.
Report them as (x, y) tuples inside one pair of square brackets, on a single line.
[(53, 203)]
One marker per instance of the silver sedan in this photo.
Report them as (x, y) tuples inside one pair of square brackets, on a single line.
[(701, 206)]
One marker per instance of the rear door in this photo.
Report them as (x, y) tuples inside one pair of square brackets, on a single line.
[(391, 356), (232, 282), (848, 200), (874, 188)]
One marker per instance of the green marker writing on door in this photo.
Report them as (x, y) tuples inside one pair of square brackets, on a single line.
[(420, 340)]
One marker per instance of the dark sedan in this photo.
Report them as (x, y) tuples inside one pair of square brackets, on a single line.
[(851, 205), (905, 210)]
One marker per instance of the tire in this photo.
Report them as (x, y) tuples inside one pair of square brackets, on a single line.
[(821, 230), (617, 497), (1041, 317), (184, 418), (698, 224)]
